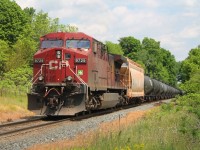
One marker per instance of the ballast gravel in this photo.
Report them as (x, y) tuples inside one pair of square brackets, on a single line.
[(68, 130)]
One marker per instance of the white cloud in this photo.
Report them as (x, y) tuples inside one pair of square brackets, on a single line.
[(145, 3), (191, 32), (120, 11), (28, 3), (191, 3), (173, 43)]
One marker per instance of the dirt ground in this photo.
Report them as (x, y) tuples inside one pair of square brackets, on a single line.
[(105, 128), (10, 116)]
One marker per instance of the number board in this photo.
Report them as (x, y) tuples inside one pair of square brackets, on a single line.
[(38, 60), (80, 60)]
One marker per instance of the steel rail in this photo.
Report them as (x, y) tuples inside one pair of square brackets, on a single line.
[(21, 122), (29, 127)]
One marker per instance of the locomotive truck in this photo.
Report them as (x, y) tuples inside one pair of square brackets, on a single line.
[(72, 73)]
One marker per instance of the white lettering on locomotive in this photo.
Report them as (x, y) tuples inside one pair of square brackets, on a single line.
[(54, 64)]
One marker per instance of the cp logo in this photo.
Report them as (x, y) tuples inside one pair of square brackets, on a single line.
[(54, 64)]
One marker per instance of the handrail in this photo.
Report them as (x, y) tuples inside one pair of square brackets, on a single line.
[(80, 79), (35, 77), (83, 82)]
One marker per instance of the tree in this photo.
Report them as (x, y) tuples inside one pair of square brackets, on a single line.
[(40, 24), (16, 80), (130, 45), (190, 65), (12, 21), (170, 65), (193, 84), (67, 28), (4, 53), (149, 43), (114, 48), (23, 52), (29, 12)]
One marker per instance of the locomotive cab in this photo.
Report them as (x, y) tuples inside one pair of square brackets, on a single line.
[(60, 74)]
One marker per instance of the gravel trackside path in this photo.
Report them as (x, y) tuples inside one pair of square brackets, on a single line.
[(66, 130)]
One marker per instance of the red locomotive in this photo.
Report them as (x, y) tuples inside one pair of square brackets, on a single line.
[(74, 73)]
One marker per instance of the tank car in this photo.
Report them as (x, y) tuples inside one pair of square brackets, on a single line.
[(72, 73), (156, 90)]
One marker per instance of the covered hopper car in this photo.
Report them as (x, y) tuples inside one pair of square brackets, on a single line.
[(72, 73)]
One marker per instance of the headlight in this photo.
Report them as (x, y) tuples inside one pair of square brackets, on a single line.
[(69, 78), (40, 78), (58, 54)]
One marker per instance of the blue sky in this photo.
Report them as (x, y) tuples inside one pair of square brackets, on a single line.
[(175, 23)]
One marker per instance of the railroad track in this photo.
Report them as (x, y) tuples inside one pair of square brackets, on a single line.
[(15, 128), (12, 129)]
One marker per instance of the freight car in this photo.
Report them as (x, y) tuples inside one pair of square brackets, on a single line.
[(155, 90), (72, 73)]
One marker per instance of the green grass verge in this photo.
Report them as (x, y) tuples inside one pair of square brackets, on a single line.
[(156, 131), (174, 126), (12, 103)]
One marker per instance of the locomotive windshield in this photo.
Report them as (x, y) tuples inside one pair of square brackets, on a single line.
[(85, 44), (51, 43)]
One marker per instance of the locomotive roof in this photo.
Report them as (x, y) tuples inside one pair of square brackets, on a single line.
[(66, 35)]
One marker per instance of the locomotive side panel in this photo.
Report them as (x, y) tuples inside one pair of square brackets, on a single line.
[(98, 67), (111, 70)]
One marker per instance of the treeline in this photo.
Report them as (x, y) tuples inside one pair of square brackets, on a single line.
[(20, 31), (190, 72)]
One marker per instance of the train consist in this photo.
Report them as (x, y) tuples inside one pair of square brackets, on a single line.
[(74, 73)]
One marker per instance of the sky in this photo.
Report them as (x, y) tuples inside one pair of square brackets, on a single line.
[(175, 23)]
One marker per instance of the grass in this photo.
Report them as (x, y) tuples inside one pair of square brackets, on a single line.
[(11, 103), (156, 131), (13, 107), (174, 126)]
